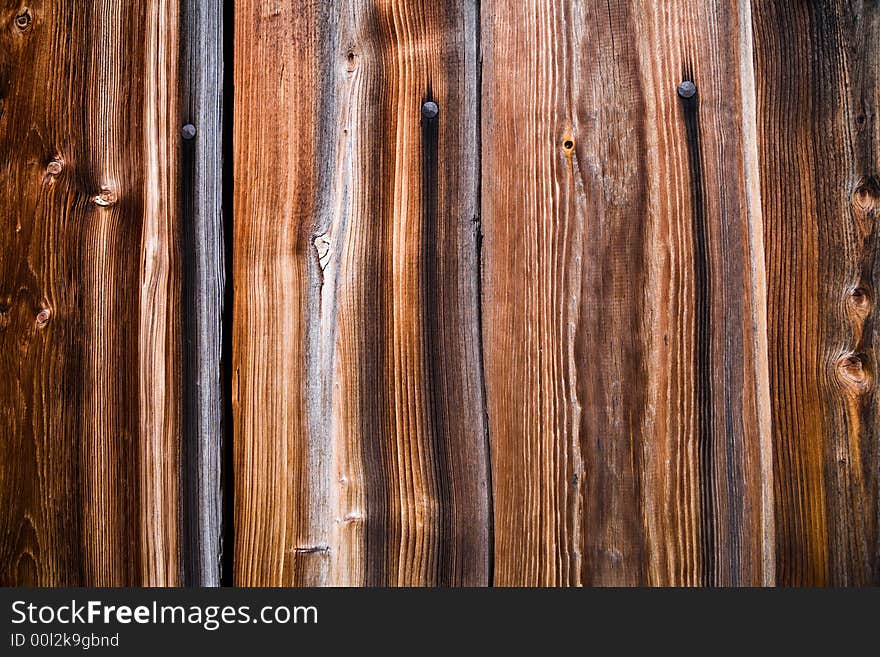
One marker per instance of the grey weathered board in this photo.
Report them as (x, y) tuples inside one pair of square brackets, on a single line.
[(201, 75)]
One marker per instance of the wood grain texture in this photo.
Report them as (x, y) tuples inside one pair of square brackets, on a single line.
[(360, 448), (652, 314), (201, 74), (816, 66), (89, 294), (622, 329)]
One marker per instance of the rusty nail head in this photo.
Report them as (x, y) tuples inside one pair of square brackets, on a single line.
[(188, 131), (687, 89), (54, 168), (430, 109)]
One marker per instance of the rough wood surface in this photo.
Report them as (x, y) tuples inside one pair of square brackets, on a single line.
[(89, 294), (466, 234), (201, 72), (360, 449), (816, 65), (276, 106), (624, 390)]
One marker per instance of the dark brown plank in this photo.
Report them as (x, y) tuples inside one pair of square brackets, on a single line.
[(89, 294), (625, 375), (816, 68)]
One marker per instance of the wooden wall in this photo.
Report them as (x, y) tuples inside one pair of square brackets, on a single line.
[(503, 305), (93, 323)]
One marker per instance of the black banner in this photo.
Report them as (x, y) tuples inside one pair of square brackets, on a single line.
[(585, 621)]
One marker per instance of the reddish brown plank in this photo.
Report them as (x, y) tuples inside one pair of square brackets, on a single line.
[(625, 375)]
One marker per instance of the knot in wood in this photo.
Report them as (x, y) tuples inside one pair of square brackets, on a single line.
[(55, 167), (852, 373), (43, 317), (23, 19), (105, 198), (322, 246), (866, 196), (860, 301), (351, 62)]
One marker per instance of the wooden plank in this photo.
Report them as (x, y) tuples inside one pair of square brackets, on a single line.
[(201, 65), (816, 66), (360, 451), (89, 292), (275, 157), (626, 383)]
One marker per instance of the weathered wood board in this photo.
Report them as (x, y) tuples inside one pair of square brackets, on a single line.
[(816, 67), (628, 424), (360, 444), (90, 294), (507, 303), (201, 94)]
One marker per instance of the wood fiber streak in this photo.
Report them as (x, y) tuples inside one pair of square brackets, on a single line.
[(89, 294), (360, 446), (621, 296), (816, 69)]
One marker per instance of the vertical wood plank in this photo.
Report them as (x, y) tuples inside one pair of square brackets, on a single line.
[(276, 190), (408, 409), (159, 330), (201, 66), (360, 449), (624, 380), (816, 67), (89, 294)]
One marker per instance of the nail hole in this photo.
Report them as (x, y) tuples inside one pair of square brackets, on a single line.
[(568, 144)]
